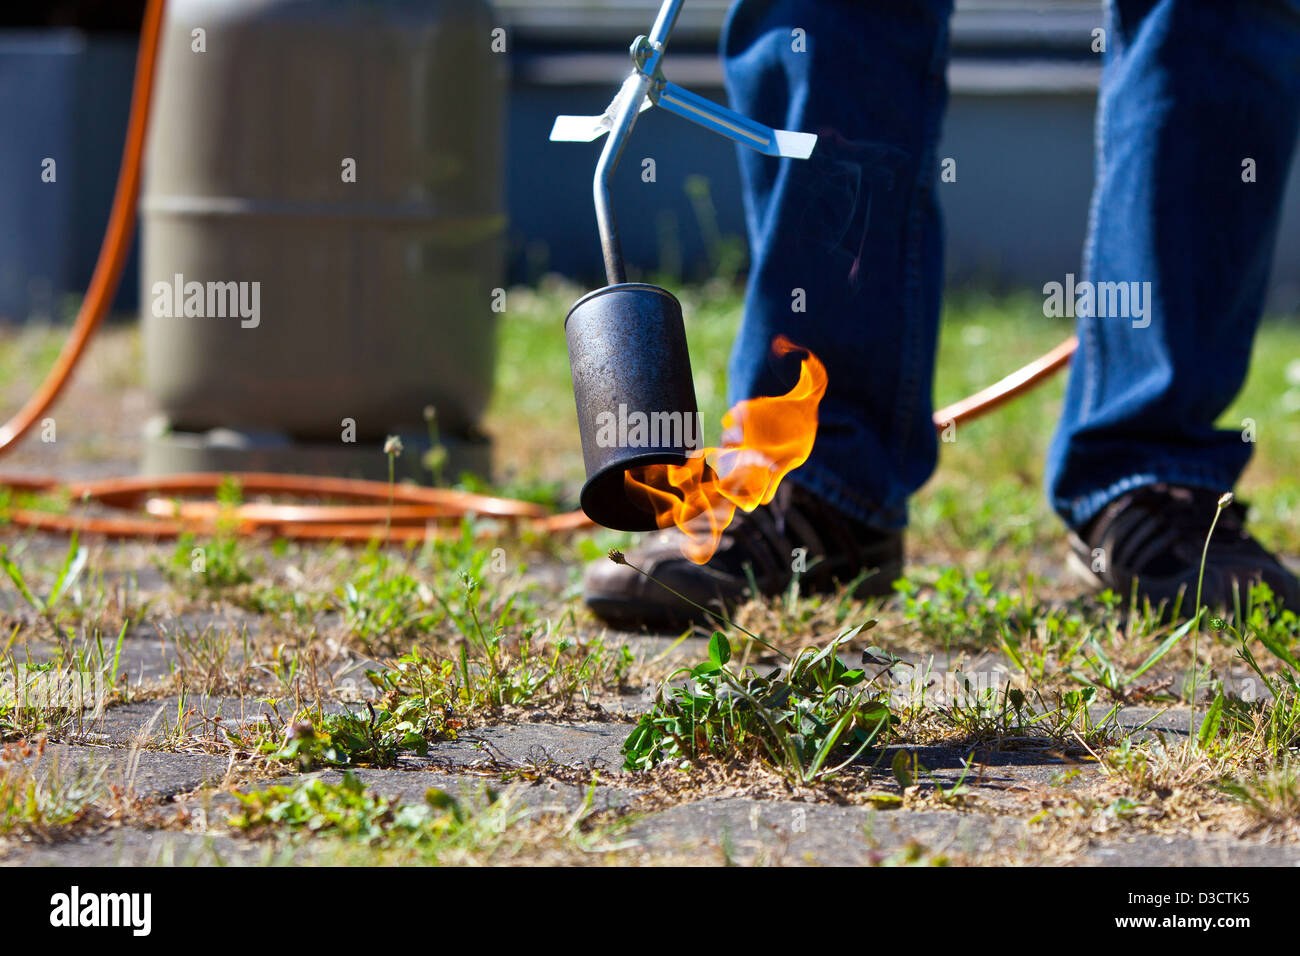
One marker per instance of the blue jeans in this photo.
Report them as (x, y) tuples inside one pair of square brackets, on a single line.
[(1190, 89)]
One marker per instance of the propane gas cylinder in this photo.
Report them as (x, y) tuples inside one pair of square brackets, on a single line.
[(322, 228)]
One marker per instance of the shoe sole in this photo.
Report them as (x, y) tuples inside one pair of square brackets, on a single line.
[(623, 614), (628, 614), (1079, 568)]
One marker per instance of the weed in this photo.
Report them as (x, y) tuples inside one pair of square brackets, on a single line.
[(50, 605), (809, 719), (314, 739), (435, 459), (1272, 797), (384, 606), (1224, 501), (217, 561), (1010, 715), (392, 451), (441, 829), (208, 564), (57, 697), (495, 674), (42, 802), (912, 854), (426, 697), (348, 809), (1113, 677), (966, 610), (530, 671), (1265, 729)]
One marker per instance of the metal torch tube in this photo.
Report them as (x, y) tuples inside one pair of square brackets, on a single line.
[(634, 91), (630, 97), (664, 24)]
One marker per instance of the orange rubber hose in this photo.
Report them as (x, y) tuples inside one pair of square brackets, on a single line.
[(377, 510), (117, 238), (1004, 390)]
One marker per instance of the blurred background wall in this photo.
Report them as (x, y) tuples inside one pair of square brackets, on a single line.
[(65, 89), (1023, 80), (1023, 83)]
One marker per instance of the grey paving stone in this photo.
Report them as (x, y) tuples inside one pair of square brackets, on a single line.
[(1147, 849), (787, 832), (776, 832), (410, 786), (156, 720), (148, 773), (576, 745), (131, 847)]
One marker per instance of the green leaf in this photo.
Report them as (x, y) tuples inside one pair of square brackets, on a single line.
[(117, 653), (885, 800), (824, 653), (16, 576), (73, 564), (439, 799), (902, 767), (880, 656), (1210, 725), (828, 744), (719, 648), (1165, 647), (1279, 650)]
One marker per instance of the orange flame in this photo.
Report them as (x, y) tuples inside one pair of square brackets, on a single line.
[(763, 440)]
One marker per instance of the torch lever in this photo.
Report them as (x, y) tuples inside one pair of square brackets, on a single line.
[(645, 87)]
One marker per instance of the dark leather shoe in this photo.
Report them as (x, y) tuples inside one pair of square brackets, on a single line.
[(1155, 534), (836, 550)]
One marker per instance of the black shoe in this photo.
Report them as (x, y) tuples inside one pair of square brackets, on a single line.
[(1155, 534), (835, 550)]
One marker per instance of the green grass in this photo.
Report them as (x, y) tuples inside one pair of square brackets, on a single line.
[(350, 811), (348, 823), (37, 799)]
